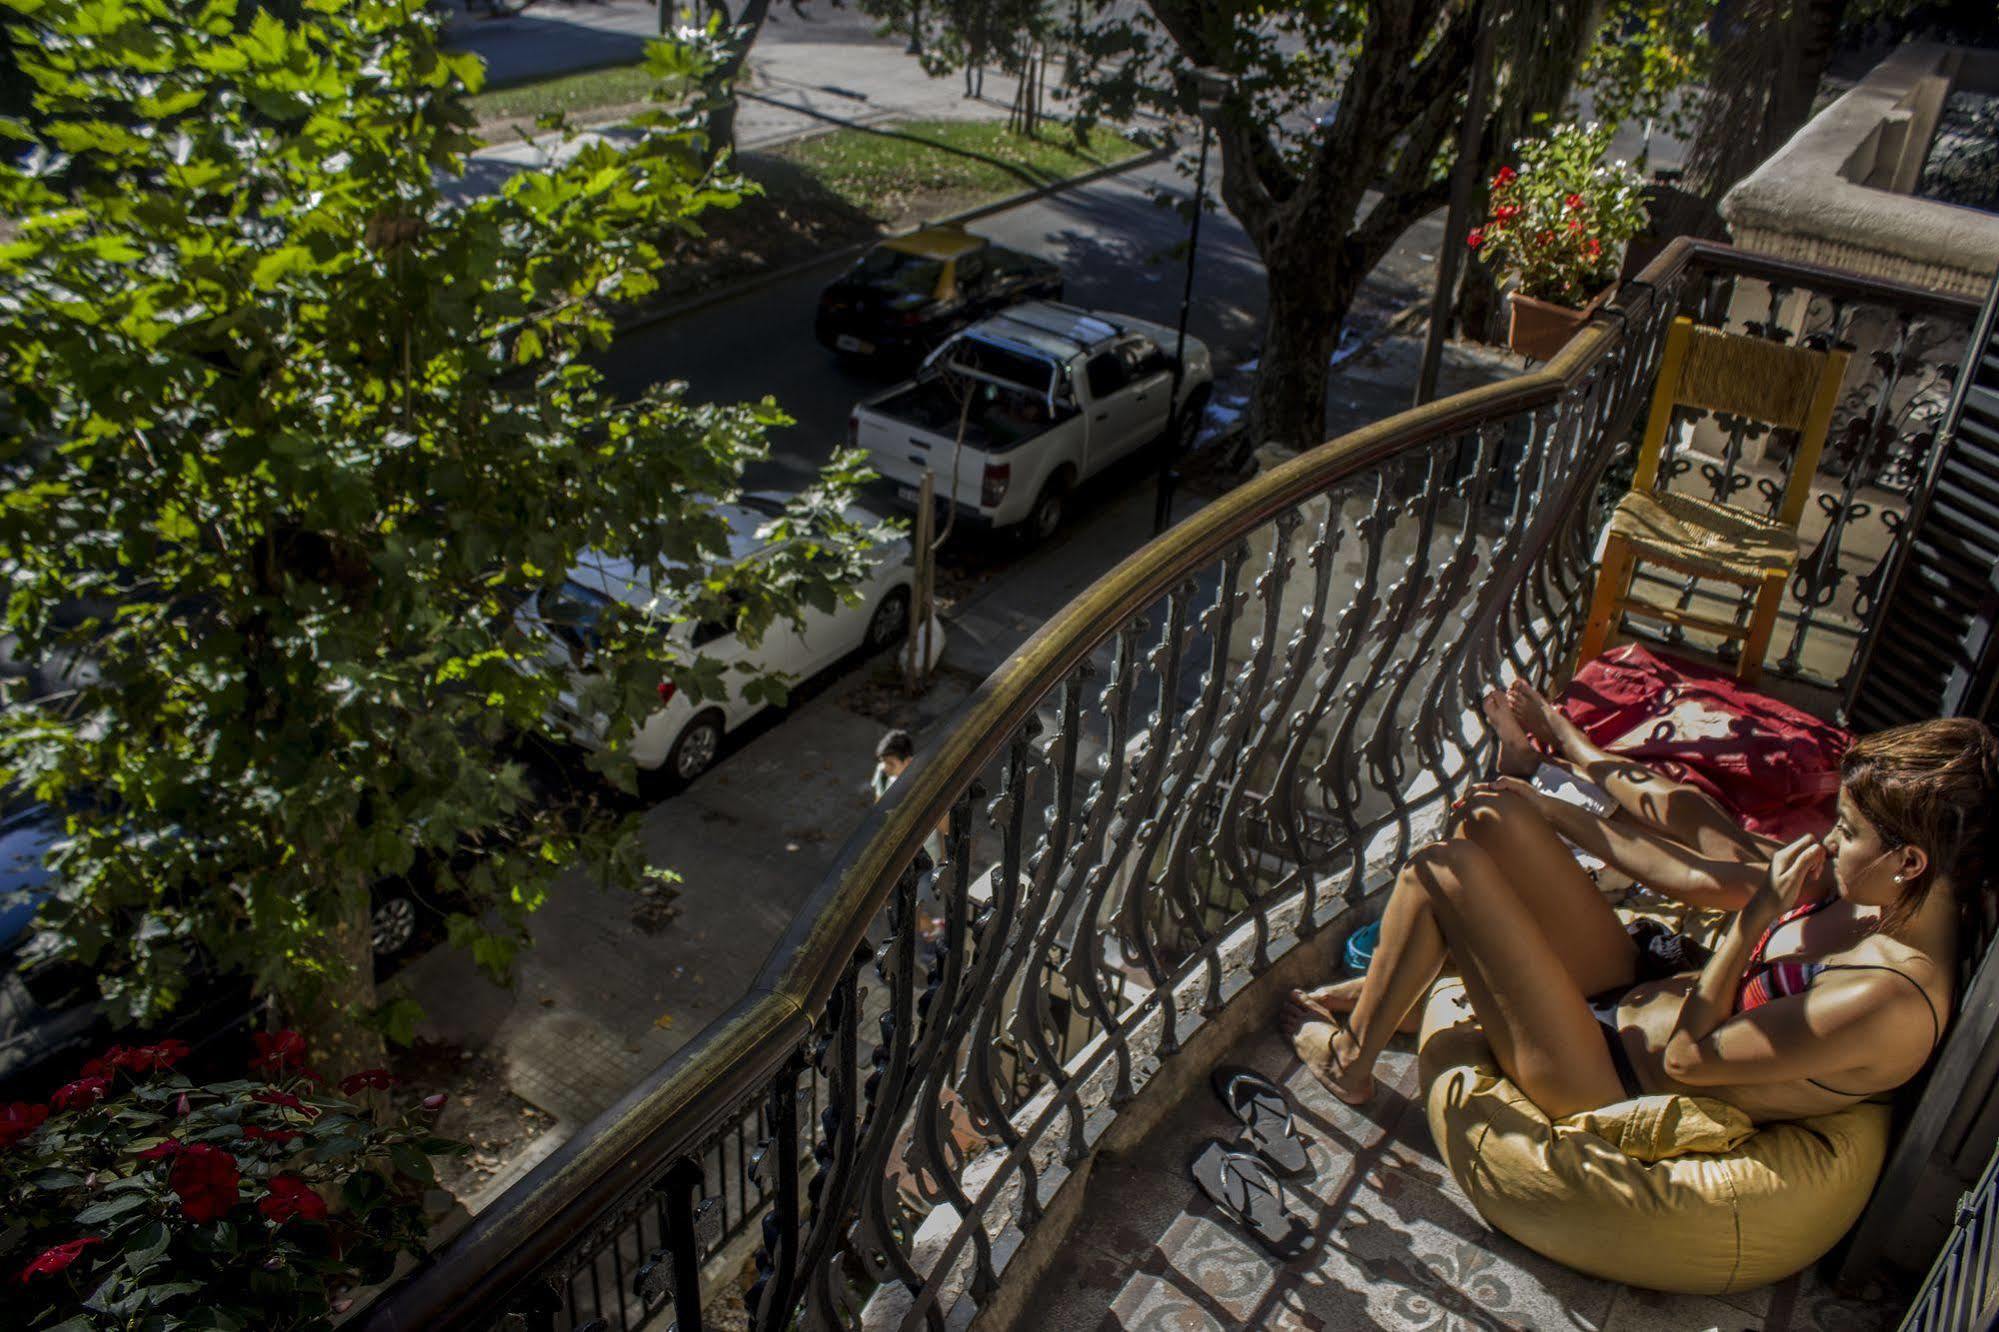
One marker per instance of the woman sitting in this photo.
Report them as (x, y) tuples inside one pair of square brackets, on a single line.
[(1826, 988)]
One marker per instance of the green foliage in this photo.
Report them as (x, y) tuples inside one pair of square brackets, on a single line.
[(293, 435), (142, 1199), (1647, 57), (1559, 223)]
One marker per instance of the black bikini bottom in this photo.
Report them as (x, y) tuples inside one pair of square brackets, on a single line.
[(1661, 953)]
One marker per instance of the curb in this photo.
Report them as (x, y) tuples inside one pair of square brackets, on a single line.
[(828, 258)]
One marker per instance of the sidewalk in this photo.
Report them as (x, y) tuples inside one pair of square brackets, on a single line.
[(804, 76)]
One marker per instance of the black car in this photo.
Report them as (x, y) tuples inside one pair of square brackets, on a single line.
[(906, 295), (51, 1017)]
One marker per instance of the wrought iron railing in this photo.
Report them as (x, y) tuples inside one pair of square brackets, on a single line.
[(1206, 757), (1961, 1292)]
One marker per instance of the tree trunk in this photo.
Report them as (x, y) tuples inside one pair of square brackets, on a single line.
[(335, 1024), (721, 85), (1766, 77), (1309, 299)]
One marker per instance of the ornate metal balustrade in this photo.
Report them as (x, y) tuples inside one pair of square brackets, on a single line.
[(1209, 755)]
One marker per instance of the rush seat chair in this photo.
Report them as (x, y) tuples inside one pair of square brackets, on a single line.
[(1792, 388)]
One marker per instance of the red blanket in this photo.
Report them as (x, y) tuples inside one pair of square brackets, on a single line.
[(1774, 767)]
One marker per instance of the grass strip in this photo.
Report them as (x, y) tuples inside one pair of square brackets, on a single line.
[(883, 172), (572, 94)]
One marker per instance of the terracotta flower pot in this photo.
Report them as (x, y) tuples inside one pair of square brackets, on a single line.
[(1538, 329)]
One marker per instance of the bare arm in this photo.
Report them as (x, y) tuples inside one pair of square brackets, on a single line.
[(1649, 856)]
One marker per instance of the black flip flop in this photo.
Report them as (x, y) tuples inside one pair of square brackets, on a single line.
[(1248, 1193), (1266, 1114)]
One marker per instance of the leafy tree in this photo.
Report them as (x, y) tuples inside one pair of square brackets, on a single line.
[(1338, 127), (294, 437)]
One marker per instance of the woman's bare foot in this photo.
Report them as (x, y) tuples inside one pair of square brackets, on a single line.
[(1517, 755), (1341, 997), (1328, 1049), (1542, 719)]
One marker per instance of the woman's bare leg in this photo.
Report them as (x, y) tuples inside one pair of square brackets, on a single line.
[(1685, 813), (1451, 899), (1543, 873)]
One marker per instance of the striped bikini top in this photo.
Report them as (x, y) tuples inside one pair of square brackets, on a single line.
[(1764, 982)]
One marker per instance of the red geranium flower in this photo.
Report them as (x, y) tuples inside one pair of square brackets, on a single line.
[(272, 1096), (374, 1079), (83, 1092), (204, 1178), (171, 1147), (53, 1260), (1507, 175), (1572, 202), (1595, 247), (291, 1196), (1506, 212), (277, 1051), (1575, 224), (151, 1058), (1475, 238), (258, 1133), (107, 1063), (18, 1119)]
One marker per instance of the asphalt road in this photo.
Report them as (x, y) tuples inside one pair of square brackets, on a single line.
[(1115, 246)]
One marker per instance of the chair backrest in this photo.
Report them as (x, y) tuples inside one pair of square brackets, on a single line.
[(1792, 388)]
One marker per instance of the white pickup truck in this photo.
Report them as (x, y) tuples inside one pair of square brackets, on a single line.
[(1049, 395)]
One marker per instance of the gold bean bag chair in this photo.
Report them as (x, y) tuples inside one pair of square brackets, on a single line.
[(1677, 1193)]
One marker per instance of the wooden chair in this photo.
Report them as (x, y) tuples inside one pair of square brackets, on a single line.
[(1789, 387)]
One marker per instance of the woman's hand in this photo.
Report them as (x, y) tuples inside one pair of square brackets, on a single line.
[(1792, 870)]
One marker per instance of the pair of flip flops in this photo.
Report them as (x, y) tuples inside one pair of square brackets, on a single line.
[(1243, 1178)]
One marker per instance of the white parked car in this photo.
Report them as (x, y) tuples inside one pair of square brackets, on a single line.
[(1057, 394), (684, 736)]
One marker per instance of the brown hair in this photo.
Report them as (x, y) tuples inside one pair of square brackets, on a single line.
[(1934, 785)]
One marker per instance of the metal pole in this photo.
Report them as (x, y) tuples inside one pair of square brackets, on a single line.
[(1457, 221), (1162, 507)]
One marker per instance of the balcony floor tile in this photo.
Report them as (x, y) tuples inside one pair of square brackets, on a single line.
[(1396, 1245)]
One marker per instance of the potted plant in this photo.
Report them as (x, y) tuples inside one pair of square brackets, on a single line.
[(136, 1198), (1557, 225)]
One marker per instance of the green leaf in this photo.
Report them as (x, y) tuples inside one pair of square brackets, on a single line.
[(111, 1207), (279, 264), (145, 1249), (413, 1163), (398, 1018)]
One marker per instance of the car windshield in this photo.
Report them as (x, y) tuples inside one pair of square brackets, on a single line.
[(574, 612), (910, 274)]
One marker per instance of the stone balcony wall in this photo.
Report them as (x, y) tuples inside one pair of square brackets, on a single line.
[(1839, 192)]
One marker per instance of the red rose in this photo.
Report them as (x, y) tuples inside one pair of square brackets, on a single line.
[(159, 1151), (51, 1261), (257, 1133), (1506, 212), (204, 1178), (272, 1096), (374, 1079), (151, 1058), (1475, 238), (1572, 202), (83, 1092), (291, 1196), (277, 1051), (18, 1119)]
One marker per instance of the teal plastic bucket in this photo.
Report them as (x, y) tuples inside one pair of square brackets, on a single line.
[(1360, 946)]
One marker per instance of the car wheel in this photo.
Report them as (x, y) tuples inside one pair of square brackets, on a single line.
[(392, 924), (1046, 515), (890, 621), (695, 750)]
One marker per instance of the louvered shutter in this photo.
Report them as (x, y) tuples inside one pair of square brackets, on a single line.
[(1935, 650)]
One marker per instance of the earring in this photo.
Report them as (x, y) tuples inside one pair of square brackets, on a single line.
[(1898, 878)]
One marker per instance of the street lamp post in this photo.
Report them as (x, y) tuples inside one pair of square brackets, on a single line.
[(1211, 85)]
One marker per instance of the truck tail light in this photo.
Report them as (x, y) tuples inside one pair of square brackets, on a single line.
[(992, 486), (666, 691)]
